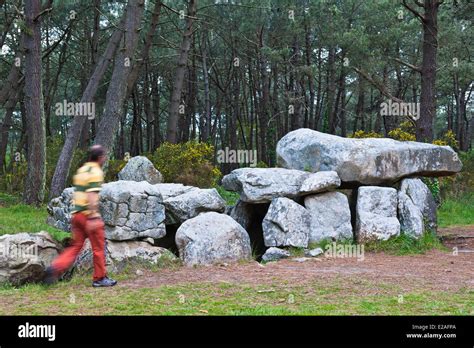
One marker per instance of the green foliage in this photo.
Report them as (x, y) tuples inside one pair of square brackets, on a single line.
[(462, 183), (406, 245), (113, 168), (12, 181), (404, 132), (261, 164), (448, 139), (230, 198), (401, 135), (296, 251), (457, 211), (188, 163), (433, 185), (53, 150), (363, 134)]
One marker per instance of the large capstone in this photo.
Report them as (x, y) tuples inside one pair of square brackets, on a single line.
[(132, 210), (286, 224), (330, 217), (422, 198), (140, 168), (24, 257), (211, 238), (261, 185), (376, 214), (191, 203), (320, 182), (369, 161)]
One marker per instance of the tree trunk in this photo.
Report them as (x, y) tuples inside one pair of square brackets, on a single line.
[(117, 91), (61, 172), (4, 129), (360, 105), (155, 92), (331, 91), (207, 100), (179, 75), (36, 172), (429, 20)]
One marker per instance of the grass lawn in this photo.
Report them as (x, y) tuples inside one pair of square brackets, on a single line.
[(16, 217), (78, 298), (337, 297), (457, 211)]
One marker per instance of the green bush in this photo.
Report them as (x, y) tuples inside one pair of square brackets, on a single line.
[(462, 183), (113, 168), (13, 180), (188, 163)]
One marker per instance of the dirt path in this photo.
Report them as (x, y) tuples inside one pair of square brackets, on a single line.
[(435, 270)]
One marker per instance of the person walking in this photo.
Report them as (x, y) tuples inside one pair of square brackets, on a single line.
[(86, 221)]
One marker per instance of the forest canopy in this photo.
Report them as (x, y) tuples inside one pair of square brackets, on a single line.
[(133, 75)]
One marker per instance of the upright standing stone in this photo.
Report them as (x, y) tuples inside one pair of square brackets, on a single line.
[(376, 214), (330, 216), (286, 224), (421, 197), (410, 216)]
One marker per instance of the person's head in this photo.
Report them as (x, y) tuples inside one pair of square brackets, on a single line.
[(97, 154)]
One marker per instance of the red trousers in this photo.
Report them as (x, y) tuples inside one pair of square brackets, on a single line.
[(79, 235)]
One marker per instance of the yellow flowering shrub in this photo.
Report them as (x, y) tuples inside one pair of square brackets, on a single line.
[(399, 134), (188, 163), (404, 132), (448, 139), (364, 134)]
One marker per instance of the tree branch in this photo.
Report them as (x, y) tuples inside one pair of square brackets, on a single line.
[(412, 10), (175, 11), (377, 84), (420, 4), (46, 10), (411, 66)]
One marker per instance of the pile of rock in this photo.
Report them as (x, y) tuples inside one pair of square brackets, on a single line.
[(327, 188), (138, 212), (302, 207), (323, 190)]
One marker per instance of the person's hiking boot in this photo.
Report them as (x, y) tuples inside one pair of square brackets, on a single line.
[(104, 282), (50, 276)]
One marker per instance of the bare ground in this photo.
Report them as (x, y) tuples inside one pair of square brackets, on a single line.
[(435, 270)]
